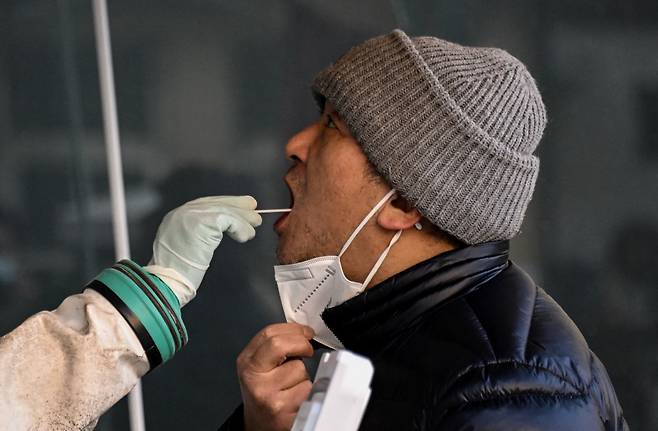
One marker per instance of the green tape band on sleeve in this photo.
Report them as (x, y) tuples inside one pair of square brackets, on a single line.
[(172, 299), (166, 301), (137, 301)]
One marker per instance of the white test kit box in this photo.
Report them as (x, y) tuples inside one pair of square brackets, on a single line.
[(339, 396)]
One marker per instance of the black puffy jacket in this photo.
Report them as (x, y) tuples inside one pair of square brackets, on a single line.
[(466, 341)]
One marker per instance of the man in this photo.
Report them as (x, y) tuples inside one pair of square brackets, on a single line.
[(432, 143)]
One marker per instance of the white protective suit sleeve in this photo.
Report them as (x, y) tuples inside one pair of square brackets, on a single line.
[(62, 369)]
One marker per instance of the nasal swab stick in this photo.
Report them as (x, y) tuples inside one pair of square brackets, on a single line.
[(279, 210)]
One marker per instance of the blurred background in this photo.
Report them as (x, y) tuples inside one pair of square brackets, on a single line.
[(208, 92)]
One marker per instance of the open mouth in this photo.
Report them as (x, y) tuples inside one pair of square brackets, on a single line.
[(281, 222)]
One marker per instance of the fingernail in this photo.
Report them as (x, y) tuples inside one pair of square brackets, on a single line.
[(308, 332)]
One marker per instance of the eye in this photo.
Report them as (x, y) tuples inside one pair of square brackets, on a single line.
[(330, 123)]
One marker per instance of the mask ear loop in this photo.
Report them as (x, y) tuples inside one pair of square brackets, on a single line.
[(364, 221), (380, 261)]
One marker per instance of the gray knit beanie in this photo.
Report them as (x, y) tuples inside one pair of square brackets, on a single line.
[(451, 128)]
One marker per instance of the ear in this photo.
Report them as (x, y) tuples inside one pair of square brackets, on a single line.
[(398, 215)]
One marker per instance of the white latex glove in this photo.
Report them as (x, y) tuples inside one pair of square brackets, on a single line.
[(189, 235)]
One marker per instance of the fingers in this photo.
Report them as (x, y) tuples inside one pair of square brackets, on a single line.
[(244, 206), (275, 410), (284, 407), (290, 374), (273, 345), (251, 216), (276, 350), (297, 394), (273, 385), (236, 227), (188, 235), (274, 330), (232, 214), (246, 202)]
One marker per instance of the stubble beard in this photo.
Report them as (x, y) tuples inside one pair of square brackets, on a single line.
[(302, 245)]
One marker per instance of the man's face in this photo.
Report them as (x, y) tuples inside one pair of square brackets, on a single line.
[(332, 189)]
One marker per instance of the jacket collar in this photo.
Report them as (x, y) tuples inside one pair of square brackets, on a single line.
[(391, 306)]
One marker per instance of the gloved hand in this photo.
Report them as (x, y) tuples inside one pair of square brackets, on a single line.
[(189, 235)]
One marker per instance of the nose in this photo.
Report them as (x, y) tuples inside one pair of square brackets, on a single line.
[(298, 145)]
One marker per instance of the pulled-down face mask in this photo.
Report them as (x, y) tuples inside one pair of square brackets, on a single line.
[(308, 288)]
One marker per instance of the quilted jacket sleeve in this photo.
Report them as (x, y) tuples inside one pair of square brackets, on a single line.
[(534, 412), (517, 396)]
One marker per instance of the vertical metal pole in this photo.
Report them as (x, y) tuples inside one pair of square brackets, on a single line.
[(115, 171)]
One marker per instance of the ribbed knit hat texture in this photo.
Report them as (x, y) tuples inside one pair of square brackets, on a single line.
[(451, 128)]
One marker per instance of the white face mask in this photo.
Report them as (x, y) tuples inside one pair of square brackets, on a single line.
[(308, 288)]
